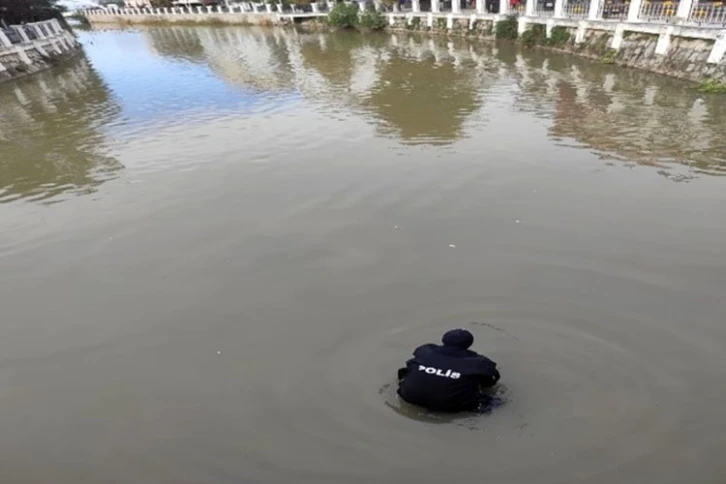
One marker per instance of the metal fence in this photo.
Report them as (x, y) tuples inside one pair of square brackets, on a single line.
[(519, 7), (711, 13), (658, 10), (30, 32), (615, 10), (12, 35), (545, 8), (576, 8)]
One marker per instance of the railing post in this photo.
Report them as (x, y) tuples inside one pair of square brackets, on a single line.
[(416, 6), (21, 31), (455, 6), (480, 7), (362, 6), (634, 10), (684, 9), (530, 8), (4, 41), (20, 51), (559, 8), (503, 7), (594, 12), (435, 6)]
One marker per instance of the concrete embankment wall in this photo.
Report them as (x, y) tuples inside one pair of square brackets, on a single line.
[(687, 52), (188, 18), (31, 48)]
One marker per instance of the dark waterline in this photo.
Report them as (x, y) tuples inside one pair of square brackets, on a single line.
[(217, 245)]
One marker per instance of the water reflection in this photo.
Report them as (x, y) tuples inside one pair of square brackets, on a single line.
[(420, 90), (630, 116), (51, 134)]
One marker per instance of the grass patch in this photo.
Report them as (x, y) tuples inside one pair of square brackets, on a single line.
[(507, 29), (712, 86), (608, 57)]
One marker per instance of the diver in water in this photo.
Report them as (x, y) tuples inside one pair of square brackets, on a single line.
[(448, 377)]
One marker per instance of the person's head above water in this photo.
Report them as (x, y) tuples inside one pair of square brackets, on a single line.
[(458, 338)]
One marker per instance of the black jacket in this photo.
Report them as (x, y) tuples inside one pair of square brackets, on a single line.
[(447, 379)]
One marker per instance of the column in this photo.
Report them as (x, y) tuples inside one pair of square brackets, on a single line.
[(416, 6), (634, 10), (559, 9), (4, 41), (21, 31), (362, 5), (435, 6), (684, 9), (314, 5), (530, 8), (481, 8), (718, 50), (594, 12), (455, 6), (56, 46), (23, 55), (503, 7)]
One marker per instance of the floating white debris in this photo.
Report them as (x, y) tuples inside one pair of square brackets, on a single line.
[(516, 222), (395, 226), (219, 352), (452, 246)]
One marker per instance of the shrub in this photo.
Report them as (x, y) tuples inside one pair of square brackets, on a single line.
[(507, 28), (344, 16), (372, 20), (712, 86), (558, 36), (608, 57), (534, 35)]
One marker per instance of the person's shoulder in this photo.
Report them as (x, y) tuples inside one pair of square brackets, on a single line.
[(425, 349), (485, 362)]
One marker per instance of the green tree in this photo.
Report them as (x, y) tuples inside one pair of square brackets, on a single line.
[(20, 11)]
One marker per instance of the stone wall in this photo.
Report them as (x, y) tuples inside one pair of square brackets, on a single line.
[(187, 19), (50, 46), (685, 52)]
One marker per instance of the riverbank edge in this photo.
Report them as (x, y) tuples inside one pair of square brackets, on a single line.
[(691, 53), (685, 53), (49, 62), (31, 57)]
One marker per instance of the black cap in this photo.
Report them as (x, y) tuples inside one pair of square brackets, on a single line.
[(458, 338)]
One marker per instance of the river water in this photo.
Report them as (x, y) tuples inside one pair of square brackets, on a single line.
[(218, 245)]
